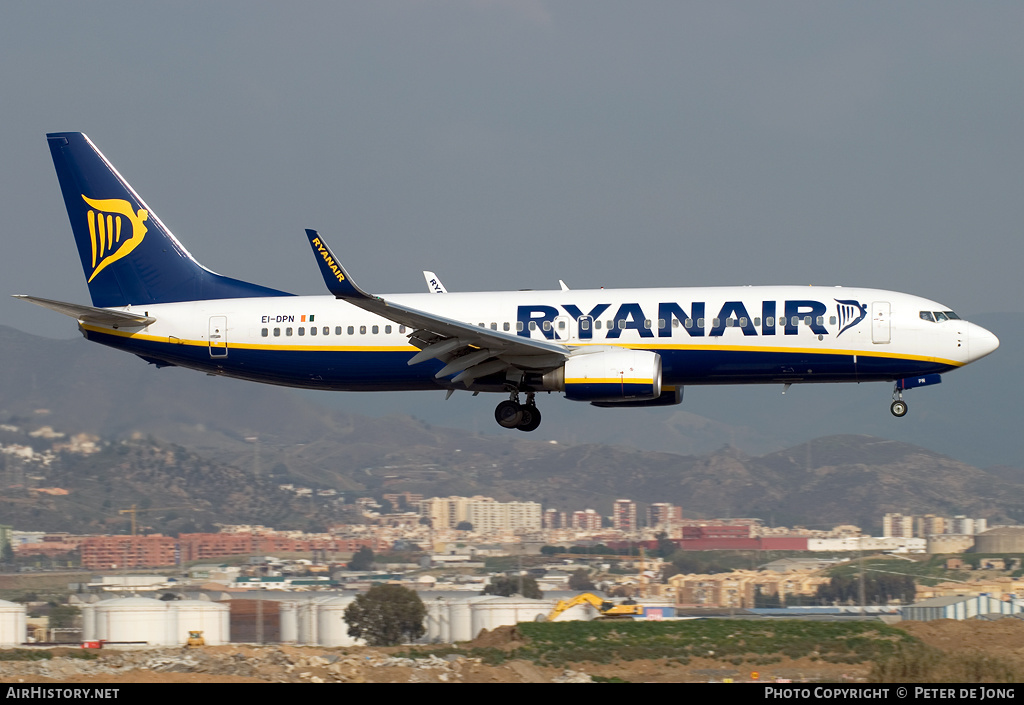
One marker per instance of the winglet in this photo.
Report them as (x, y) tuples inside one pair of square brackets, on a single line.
[(337, 279), (434, 284)]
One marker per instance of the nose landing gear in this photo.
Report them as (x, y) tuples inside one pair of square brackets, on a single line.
[(898, 406), (512, 414)]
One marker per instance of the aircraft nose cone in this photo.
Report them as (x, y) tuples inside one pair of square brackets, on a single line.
[(982, 342)]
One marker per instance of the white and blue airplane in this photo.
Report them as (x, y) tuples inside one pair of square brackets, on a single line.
[(608, 347)]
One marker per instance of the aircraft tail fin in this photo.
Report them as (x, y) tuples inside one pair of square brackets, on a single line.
[(129, 256)]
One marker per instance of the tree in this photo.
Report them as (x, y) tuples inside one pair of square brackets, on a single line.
[(464, 526), (362, 560), (506, 586), (580, 580), (386, 615)]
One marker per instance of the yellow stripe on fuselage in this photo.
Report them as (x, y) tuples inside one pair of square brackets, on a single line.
[(654, 347)]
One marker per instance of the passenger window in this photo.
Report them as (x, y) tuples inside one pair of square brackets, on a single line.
[(561, 325), (820, 320), (715, 322), (622, 324), (277, 332), (597, 325), (832, 321), (584, 324), (302, 330), (533, 325), (743, 322), (375, 330), (327, 330), (546, 325), (362, 330), (647, 323), (730, 322), (770, 321), (927, 316), (505, 326), (494, 326), (287, 331), (351, 330), (688, 323), (661, 324), (312, 330), (387, 330), (264, 332), (757, 321), (519, 326), (807, 320), (700, 322)]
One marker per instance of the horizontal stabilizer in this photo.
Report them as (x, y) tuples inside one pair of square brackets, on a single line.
[(88, 314)]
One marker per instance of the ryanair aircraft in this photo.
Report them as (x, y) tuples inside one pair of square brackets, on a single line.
[(609, 347)]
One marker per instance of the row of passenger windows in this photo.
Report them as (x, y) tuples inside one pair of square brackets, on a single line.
[(326, 330), (936, 316), (584, 325), (687, 323)]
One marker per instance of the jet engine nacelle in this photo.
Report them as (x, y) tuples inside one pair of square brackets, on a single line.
[(614, 375)]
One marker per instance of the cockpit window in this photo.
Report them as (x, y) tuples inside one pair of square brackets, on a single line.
[(951, 316), (927, 316), (940, 316)]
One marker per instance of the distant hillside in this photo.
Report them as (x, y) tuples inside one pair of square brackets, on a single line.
[(173, 438)]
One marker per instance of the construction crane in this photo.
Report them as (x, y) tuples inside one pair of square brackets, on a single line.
[(608, 610), (135, 510)]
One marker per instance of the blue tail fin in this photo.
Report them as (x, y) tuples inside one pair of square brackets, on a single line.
[(129, 257)]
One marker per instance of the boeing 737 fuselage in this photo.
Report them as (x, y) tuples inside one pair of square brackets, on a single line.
[(608, 347)]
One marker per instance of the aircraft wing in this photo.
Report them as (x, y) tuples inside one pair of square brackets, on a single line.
[(89, 314), (469, 350)]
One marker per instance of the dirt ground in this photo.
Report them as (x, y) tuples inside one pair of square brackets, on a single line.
[(239, 663)]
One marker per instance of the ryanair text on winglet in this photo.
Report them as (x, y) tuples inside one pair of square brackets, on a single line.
[(328, 260)]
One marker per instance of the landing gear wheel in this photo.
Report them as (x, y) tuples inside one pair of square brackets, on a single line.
[(898, 408), (531, 418), (508, 414)]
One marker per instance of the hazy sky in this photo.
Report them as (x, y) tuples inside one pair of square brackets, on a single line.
[(507, 144)]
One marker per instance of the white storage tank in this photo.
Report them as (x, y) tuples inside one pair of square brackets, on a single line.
[(506, 611), (133, 619), (89, 622), (332, 629), (12, 623), (439, 622), (305, 618), (211, 618), (461, 617), (289, 622)]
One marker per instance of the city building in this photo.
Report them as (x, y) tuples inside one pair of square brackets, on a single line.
[(624, 515), (485, 514)]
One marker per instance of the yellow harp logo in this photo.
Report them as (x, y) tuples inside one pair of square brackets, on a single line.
[(110, 241)]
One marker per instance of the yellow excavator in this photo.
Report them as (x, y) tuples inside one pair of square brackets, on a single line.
[(609, 610)]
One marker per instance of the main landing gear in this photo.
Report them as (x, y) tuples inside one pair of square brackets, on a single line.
[(898, 406), (512, 414)]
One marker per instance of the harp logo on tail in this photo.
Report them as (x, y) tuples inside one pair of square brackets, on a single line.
[(850, 314), (109, 237)]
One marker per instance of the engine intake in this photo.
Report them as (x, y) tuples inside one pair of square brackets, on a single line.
[(608, 376)]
